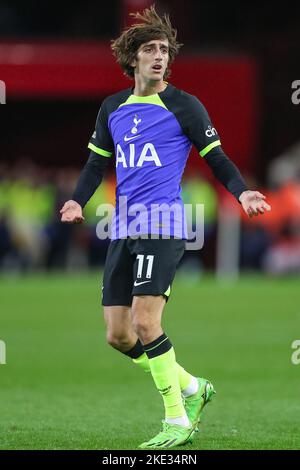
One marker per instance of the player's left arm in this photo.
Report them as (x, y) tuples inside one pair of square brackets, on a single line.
[(225, 171), (207, 141)]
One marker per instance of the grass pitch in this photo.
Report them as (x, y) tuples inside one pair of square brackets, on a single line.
[(64, 388)]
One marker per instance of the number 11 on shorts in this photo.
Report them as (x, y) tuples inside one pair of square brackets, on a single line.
[(140, 259)]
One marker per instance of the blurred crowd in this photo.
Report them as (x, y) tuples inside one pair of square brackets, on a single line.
[(32, 236)]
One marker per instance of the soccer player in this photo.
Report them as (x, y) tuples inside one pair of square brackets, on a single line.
[(150, 129)]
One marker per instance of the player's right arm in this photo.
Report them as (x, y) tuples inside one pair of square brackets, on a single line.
[(101, 146), (71, 212)]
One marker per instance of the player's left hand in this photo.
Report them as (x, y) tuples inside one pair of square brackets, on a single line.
[(253, 203)]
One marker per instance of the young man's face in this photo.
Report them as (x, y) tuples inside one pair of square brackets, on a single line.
[(152, 59)]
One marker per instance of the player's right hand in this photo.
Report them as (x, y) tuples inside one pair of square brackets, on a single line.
[(71, 213)]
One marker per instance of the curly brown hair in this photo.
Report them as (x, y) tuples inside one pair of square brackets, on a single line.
[(152, 26)]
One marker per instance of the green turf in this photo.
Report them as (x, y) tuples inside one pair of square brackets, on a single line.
[(64, 388)]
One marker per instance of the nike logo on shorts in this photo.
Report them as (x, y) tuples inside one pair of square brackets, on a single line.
[(136, 284)]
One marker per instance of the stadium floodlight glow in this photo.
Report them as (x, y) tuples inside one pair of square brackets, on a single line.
[(2, 352), (2, 92)]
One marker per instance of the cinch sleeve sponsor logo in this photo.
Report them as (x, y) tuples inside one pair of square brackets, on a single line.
[(210, 132)]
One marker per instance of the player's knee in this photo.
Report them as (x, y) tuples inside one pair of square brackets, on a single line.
[(118, 341), (141, 325)]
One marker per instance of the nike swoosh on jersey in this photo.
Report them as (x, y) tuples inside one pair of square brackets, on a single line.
[(136, 284), (130, 138)]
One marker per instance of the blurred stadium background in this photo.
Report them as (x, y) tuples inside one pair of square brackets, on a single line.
[(240, 60)]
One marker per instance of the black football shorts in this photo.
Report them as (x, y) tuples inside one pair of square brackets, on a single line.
[(140, 267)]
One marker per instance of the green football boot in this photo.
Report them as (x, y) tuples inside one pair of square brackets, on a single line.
[(195, 403), (172, 435)]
